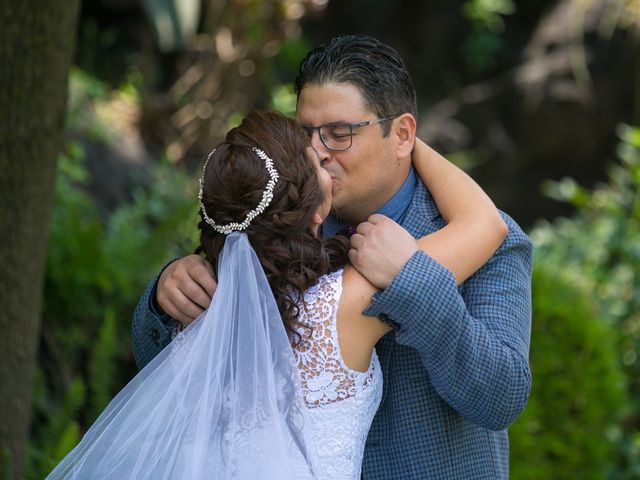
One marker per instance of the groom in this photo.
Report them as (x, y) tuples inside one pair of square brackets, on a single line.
[(455, 367)]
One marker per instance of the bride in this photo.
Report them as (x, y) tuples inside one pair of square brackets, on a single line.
[(279, 377)]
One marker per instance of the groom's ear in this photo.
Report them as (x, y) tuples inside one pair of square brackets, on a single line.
[(405, 131)]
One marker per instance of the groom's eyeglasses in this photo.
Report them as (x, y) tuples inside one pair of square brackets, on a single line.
[(339, 136)]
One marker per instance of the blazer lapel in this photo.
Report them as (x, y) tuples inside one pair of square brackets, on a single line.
[(420, 218)]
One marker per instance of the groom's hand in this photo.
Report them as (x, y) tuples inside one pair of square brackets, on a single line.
[(185, 288), (380, 248)]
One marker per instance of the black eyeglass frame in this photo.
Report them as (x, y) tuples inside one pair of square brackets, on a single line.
[(351, 126)]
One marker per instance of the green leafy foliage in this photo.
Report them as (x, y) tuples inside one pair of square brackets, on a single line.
[(487, 14), (97, 268), (599, 247), (484, 44), (57, 430), (6, 464), (102, 367), (578, 396), (283, 100), (597, 252)]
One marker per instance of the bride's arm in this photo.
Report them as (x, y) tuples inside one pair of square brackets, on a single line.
[(474, 229)]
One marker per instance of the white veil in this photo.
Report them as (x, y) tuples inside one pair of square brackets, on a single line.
[(221, 401)]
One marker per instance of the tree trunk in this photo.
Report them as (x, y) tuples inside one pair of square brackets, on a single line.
[(36, 44)]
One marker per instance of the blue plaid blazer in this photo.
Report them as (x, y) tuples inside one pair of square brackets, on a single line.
[(455, 368)]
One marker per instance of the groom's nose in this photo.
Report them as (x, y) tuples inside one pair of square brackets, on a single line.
[(324, 154)]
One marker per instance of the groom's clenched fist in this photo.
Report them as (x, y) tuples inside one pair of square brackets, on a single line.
[(185, 288), (380, 248)]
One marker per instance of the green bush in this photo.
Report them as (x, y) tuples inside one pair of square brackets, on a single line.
[(597, 252), (579, 393), (97, 269)]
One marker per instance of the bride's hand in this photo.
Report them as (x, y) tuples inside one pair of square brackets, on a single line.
[(185, 288)]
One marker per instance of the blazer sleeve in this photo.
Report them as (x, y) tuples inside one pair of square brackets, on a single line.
[(473, 340), (150, 331)]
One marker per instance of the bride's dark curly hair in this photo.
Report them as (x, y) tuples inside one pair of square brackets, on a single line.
[(292, 256)]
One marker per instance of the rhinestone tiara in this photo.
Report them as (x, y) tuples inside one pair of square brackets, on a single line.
[(267, 196)]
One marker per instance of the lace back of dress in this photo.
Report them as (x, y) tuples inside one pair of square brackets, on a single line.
[(325, 377)]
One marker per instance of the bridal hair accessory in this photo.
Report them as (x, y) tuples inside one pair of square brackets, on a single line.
[(267, 196)]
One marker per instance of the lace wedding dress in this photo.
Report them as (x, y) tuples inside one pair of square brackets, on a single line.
[(339, 403)]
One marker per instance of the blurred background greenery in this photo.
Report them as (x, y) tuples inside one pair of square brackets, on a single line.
[(538, 100)]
